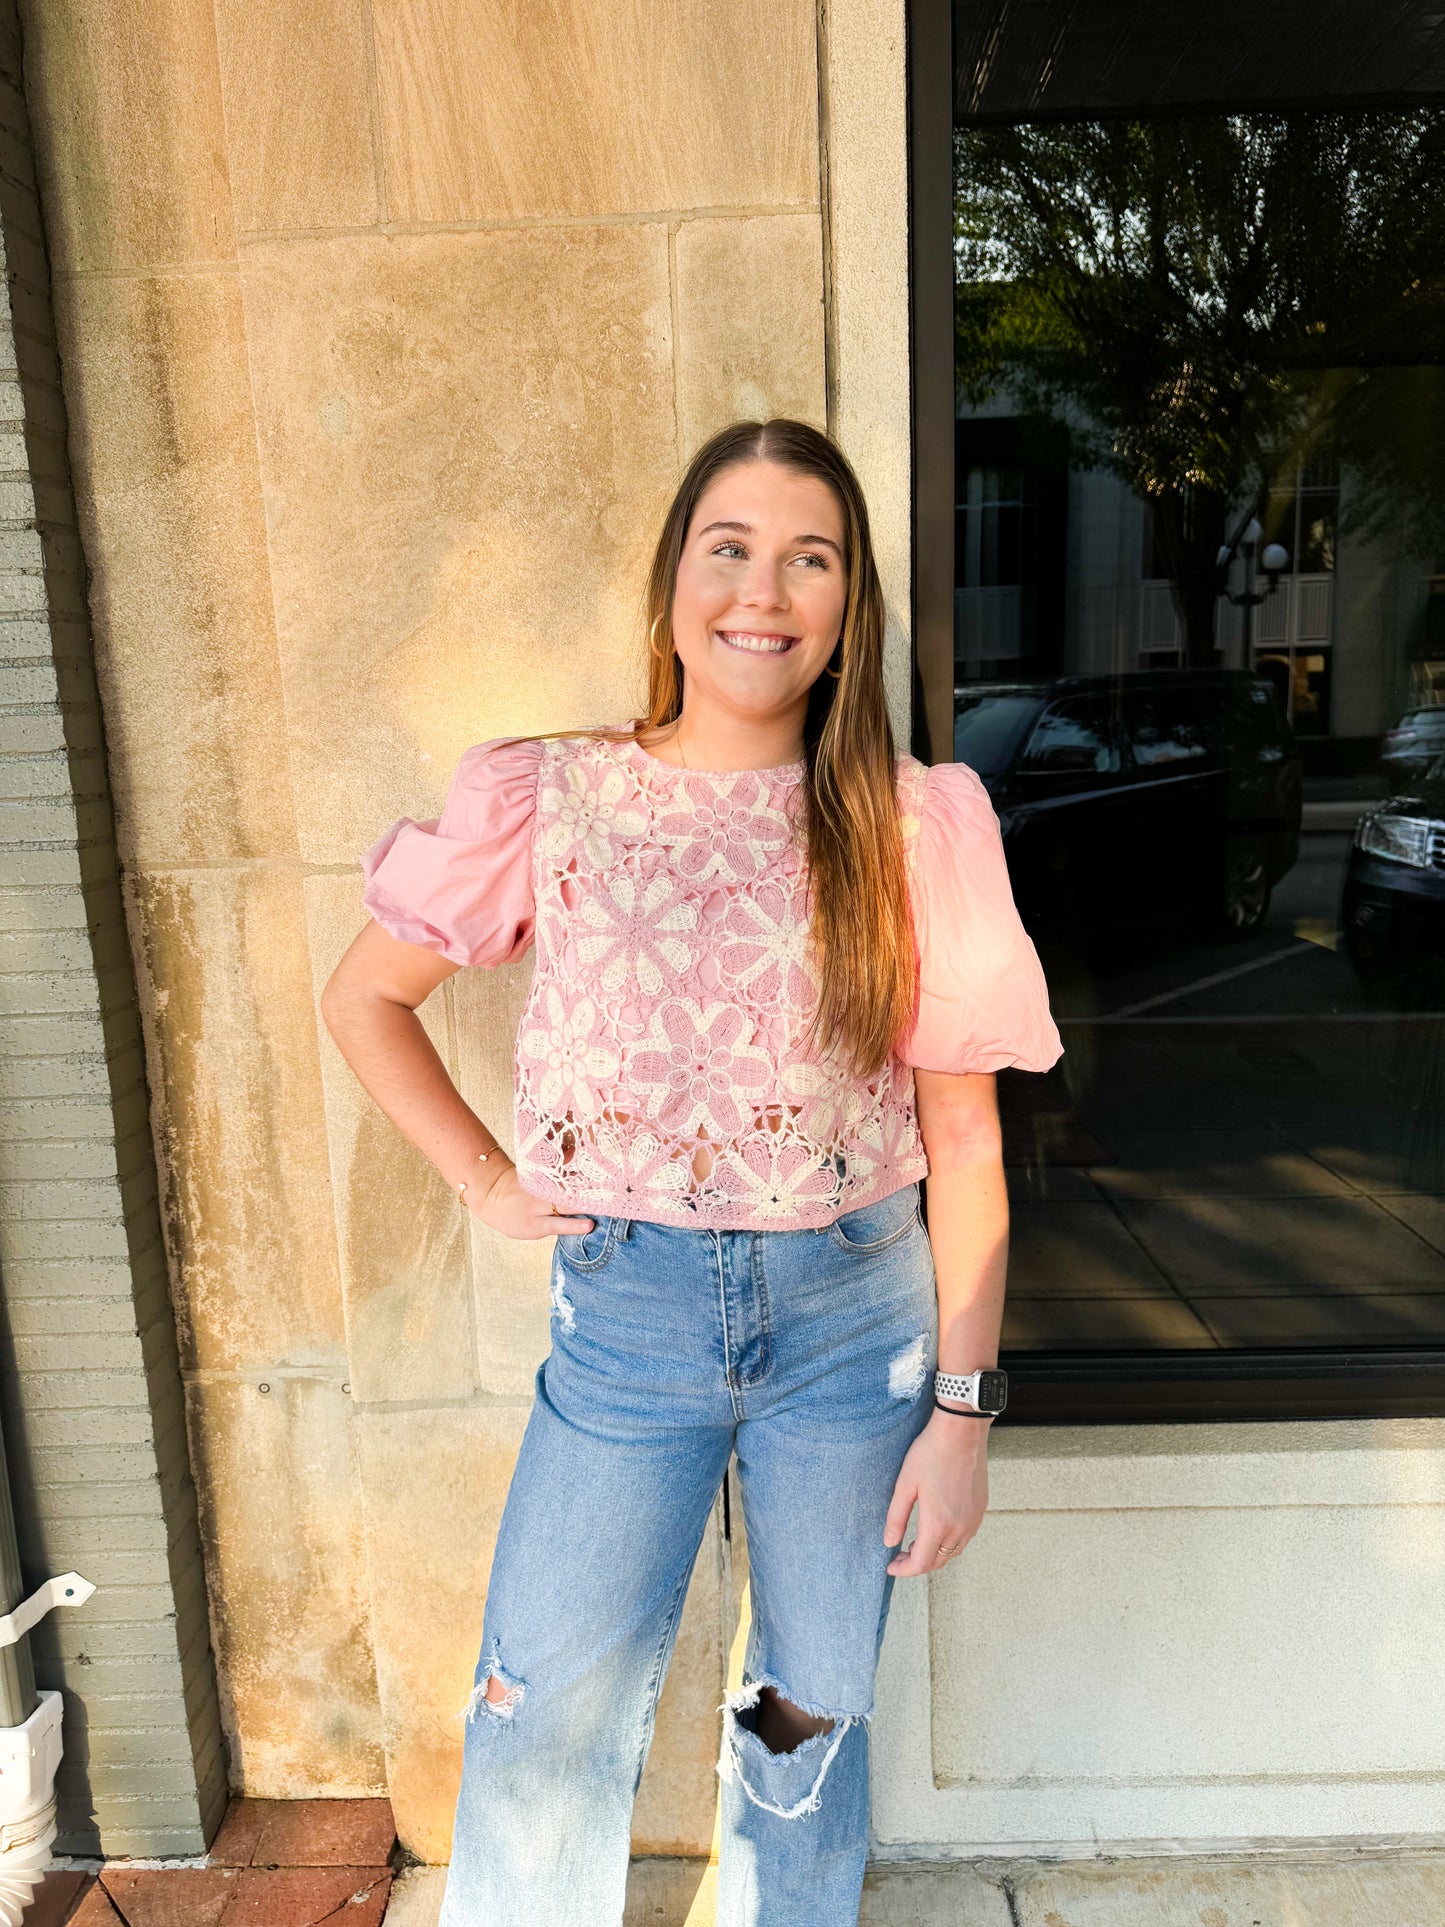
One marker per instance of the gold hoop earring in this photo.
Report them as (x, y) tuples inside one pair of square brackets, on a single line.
[(835, 673), (661, 654)]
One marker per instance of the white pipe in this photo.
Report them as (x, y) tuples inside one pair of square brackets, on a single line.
[(29, 1756)]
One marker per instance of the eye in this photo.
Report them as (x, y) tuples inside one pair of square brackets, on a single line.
[(812, 558), (730, 549)]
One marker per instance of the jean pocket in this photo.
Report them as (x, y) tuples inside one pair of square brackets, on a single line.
[(588, 1250), (876, 1226)]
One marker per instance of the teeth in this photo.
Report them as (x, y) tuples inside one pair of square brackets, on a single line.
[(759, 645)]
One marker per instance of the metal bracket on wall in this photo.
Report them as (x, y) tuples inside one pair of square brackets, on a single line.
[(66, 1589)]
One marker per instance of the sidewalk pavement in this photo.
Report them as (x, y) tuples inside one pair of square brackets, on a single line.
[(332, 1863), (1343, 1889)]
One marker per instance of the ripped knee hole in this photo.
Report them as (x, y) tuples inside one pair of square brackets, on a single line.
[(781, 1726), (778, 1751)]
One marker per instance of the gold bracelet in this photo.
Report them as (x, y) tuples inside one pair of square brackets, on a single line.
[(482, 1157)]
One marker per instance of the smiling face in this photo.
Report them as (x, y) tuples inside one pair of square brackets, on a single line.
[(761, 591)]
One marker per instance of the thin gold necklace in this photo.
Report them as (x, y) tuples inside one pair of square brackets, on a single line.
[(677, 738)]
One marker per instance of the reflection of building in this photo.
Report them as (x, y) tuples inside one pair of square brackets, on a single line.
[(1010, 517), (1057, 573), (1293, 632), (1427, 649)]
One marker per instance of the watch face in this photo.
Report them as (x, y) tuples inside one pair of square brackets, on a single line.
[(992, 1391)]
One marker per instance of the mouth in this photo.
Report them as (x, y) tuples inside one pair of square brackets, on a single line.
[(756, 642)]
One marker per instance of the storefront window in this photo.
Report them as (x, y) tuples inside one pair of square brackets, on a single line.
[(1199, 661)]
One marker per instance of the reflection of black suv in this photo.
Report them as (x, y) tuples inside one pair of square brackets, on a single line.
[(1127, 795), (1394, 903)]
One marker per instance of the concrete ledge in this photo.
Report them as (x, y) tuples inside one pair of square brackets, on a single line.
[(1175, 1639), (1334, 1462)]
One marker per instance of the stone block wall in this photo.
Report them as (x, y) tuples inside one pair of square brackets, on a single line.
[(386, 327)]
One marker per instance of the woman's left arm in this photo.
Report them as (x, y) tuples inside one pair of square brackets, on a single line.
[(946, 1471)]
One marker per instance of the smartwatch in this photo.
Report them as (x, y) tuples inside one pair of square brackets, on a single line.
[(984, 1393)]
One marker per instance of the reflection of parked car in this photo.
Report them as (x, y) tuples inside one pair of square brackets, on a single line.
[(1394, 902), (1126, 795), (1408, 750)]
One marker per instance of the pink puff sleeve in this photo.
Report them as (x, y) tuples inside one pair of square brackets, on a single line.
[(983, 1004), (462, 883)]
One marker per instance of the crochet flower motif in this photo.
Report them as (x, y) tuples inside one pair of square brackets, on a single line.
[(763, 948), (777, 1175), (697, 1068), (574, 1056), (592, 810), (636, 928), (641, 1165), (726, 829), (825, 1097)]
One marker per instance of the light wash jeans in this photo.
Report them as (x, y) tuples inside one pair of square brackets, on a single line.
[(809, 1354)]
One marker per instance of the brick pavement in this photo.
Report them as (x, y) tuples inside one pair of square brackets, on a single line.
[(274, 1863)]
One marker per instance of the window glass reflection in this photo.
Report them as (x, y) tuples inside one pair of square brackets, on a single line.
[(1071, 738), (1200, 665)]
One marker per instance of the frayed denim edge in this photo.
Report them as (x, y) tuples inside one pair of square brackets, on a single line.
[(563, 1309), (909, 1369), (730, 1765), (513, 1692)]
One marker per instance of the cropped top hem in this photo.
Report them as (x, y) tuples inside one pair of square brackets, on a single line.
[(714, 1217)]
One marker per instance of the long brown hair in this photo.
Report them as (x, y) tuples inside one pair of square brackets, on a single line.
[(858, 894)]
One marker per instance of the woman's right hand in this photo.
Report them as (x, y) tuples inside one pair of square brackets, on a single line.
[(507, 1208)]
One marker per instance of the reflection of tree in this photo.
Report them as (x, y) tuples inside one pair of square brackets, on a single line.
[(1206, 299)]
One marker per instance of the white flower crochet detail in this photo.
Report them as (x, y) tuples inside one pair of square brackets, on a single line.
[(574, 1060), (698, 1070), (661, 1065), (757, 947), (636, 929), (587, 811), (723, 826)]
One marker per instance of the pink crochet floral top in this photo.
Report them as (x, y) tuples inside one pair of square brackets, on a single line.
[(659, 1068)]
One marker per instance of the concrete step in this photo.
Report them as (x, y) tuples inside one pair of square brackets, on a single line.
[(1354, 1890), (1369, 1888)]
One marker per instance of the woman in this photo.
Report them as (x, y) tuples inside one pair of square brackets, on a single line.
[(776, 971)]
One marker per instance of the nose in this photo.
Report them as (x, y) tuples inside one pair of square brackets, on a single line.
[(765, 584)]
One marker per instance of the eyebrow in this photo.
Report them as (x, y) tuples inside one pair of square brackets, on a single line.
[(746, 528)]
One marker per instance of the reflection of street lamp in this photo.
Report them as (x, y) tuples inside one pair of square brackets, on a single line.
[(1274, 561)]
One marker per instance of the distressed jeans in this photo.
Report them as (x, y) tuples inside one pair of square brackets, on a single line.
[(808, 1354)]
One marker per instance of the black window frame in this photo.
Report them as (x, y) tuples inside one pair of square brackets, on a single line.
[(1074, 1388)]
